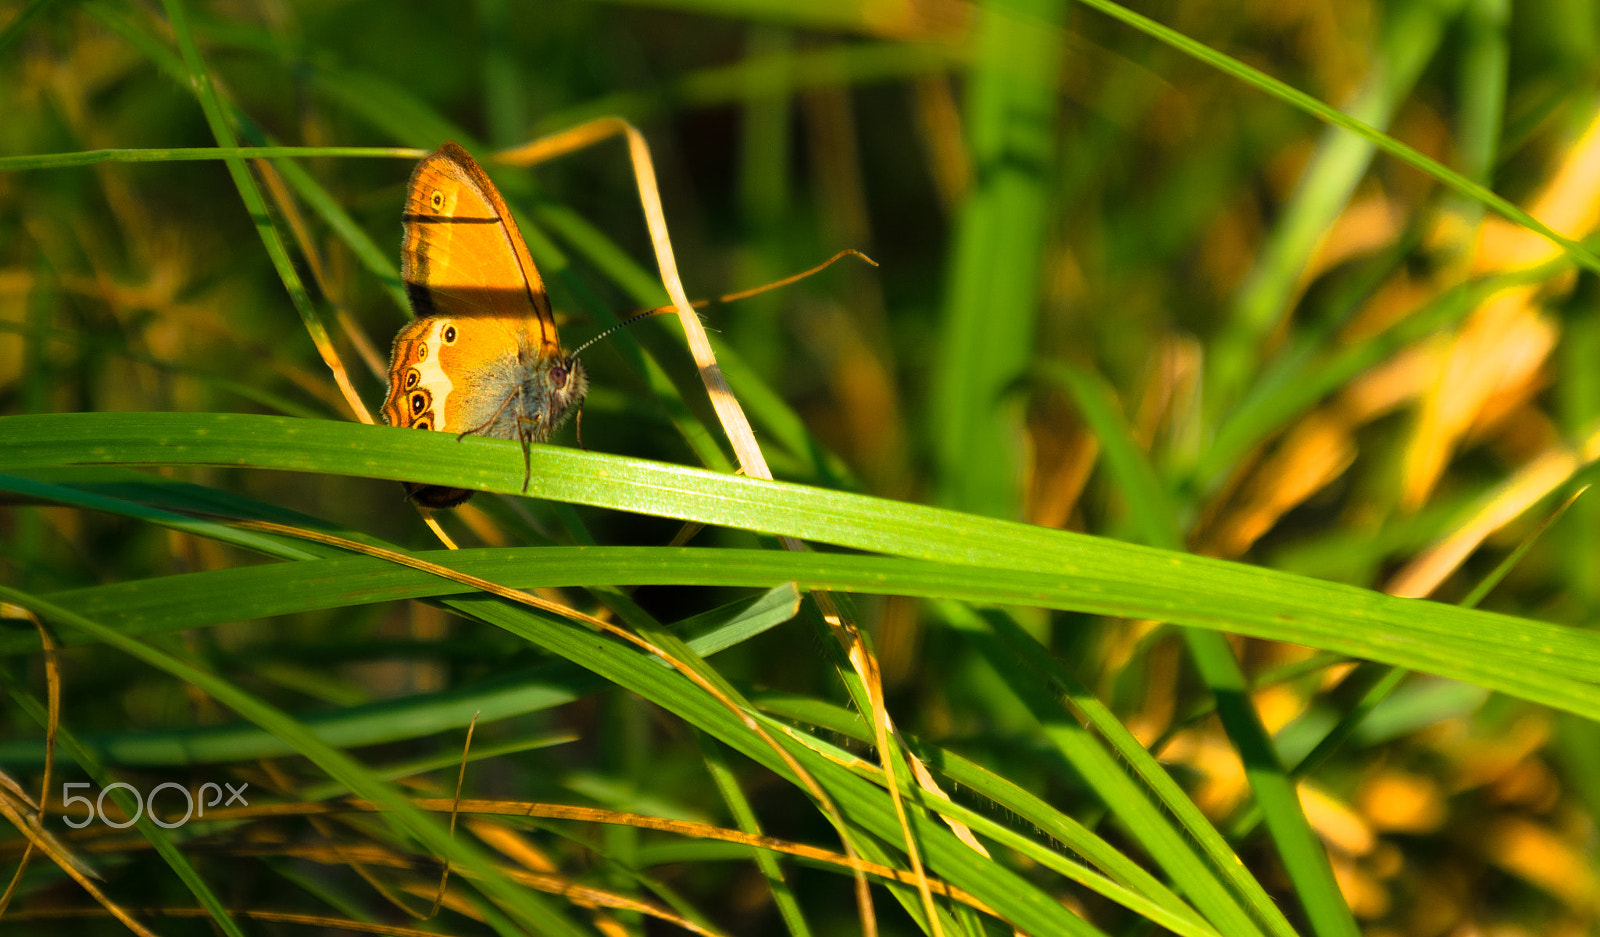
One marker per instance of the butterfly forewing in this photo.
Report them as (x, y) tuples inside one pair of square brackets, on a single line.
[(463, 255)]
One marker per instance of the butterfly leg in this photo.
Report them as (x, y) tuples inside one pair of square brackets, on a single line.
[(527, 464), (527, 430), (578, 426)]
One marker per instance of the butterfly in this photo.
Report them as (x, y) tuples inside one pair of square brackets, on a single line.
[(482, 357)]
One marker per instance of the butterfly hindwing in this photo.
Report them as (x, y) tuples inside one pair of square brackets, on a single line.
[(419, 388)]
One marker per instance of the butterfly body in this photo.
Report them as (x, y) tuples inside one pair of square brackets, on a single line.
[(482, 358)]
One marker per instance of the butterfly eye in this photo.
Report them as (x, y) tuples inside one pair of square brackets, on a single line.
[(437, 201), (450, 335), (558, 373), (411, 379), (418, 403)]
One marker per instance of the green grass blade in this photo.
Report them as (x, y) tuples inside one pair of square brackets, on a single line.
[(501, 697), (398, 809), (1303, 855), (281, 547), (1008, 650), (1410, 36), (1052, 822), (1153, 511), (1160, 906), (1278, 89), (986, 337), (197, 153), (1484, 70), (67, 743), (1023, 905), (738, 805), (255, 204), (1515, 655)]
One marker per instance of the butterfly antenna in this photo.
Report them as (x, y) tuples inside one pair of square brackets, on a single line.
[(659, 310), (797, 277), (731, 297)]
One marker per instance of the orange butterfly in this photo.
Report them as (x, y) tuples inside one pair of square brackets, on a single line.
[(482, 357)]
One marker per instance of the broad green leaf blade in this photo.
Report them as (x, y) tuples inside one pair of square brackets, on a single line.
[(1525, 658)]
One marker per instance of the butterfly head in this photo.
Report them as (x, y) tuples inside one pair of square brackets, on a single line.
[(549, 396)]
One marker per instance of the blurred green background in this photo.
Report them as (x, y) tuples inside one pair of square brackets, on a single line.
[(1120, 290)]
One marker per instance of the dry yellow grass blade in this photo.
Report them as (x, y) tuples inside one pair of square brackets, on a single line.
[(461, 778), (19, 814), (1537, 855), (1368, 224), (1392, 800), (368, 854), (279, 193), (511, 844), (1508, 501), (15, 790), (453, 900), (1335, 821), (752, 463), (729, 413), (535, 869), (582, 895), (52, 675), (1501, 347), (865, 665), (1316, 450), (354, 858), (939, 130), (533, 601), (590, 897), (515, 847)]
